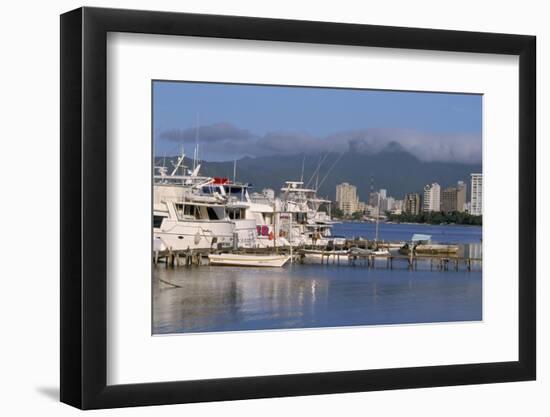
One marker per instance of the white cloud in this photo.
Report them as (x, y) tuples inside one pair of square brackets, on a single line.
[(442, 147)]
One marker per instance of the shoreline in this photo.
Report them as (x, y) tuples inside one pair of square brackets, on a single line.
[(407, 223)]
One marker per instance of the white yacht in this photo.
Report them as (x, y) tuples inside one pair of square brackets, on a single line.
[(192, 223), (312, 226), (257, 224)]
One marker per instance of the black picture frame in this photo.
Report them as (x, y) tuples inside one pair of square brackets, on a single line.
[(84, 207)]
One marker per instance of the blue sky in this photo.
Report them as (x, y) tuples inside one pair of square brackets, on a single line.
[(252, 120)]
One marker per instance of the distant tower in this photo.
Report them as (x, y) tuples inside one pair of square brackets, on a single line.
[(476, 202), (346, 198)]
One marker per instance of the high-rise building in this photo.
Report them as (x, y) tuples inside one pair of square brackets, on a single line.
[(386, 204), (431, 201), (412, 203), (397, 205), (461, 196), (454, 198), (373, 198), (346, 198), (476, 201), (381, 198), (448, 199)]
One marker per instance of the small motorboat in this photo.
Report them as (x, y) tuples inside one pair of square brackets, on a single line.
[(244, 259), (355, 251), (381, 252), (316, 256), (430, 249), (422, 245), (338, 241)]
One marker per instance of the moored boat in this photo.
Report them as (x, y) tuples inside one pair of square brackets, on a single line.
[(430, 249), (192, 225), (315, 256), (311, 225), (381, 252), (234, 259), (356, 251), (421, 244), (257, 225)]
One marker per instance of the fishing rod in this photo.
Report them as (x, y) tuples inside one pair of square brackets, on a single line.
[(331, 168)]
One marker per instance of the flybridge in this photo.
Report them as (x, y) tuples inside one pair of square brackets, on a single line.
[(296, 186)]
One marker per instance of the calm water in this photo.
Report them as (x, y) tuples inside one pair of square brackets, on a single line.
[(398, 232), (210, 299)]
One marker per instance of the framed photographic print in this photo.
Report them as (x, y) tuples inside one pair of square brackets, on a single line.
[(258, 207)]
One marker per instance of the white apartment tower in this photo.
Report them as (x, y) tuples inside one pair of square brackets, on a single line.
[(346, 198), (432, 199), (476, 201)]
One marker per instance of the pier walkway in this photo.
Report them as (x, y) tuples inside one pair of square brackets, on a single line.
[(441, 262)]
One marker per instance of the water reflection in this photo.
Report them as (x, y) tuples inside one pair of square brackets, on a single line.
[(210, 299), (473, 250), (301, 296), (219, 297)]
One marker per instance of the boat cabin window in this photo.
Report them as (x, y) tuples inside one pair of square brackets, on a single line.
[(187, 211), (236, 213), (212, 215), (198, 212), (301, 218), (157, 221)]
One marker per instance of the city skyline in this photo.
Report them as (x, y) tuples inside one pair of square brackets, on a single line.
[(433, 199)]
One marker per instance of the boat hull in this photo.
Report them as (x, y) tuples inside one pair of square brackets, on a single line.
[(183, 235), (431, 250), (227, 259), (318, 256)]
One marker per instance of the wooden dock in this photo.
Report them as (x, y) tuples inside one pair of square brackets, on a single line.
[(437, 262), (188, 257), (442, 262), (198, 257)]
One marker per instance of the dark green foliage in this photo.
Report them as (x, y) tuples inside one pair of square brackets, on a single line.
[(437, 217), (337, 213)]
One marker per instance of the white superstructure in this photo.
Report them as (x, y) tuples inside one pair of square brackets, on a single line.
[(196, 212), (182, 219), (307, 224), (255, 222), (192, 224)]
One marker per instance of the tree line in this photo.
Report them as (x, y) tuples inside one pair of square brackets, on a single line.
[(436, 217)]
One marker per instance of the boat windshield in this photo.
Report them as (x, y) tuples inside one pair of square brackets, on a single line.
[(234, 191), (199, 212)]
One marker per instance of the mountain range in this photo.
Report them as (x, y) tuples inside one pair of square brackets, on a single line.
[(393, 169)]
